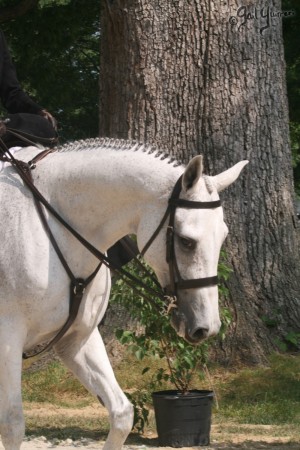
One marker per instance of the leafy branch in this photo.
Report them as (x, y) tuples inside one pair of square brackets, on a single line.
[(157, 339)]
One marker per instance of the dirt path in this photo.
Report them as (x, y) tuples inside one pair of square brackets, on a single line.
[(244, 439), (224, 436), (42, 444)]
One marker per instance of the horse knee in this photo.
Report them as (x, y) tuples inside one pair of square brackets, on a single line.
[(122, 420)]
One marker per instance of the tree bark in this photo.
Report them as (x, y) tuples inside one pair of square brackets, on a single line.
[(203, 77)]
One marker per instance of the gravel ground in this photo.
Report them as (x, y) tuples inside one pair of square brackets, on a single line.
[(41, 443), (224, 436)]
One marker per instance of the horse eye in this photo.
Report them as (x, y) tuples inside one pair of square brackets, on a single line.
[(187, 243)]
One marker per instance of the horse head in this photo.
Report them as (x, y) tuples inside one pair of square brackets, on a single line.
[(198, 232)]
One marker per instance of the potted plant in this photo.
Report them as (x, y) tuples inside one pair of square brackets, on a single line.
[(183, 415)]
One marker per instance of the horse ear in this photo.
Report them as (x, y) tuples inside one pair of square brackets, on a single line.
[(192, 173), (224, 179)]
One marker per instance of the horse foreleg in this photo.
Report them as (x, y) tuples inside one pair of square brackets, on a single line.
[(12, 425), (90, 363)]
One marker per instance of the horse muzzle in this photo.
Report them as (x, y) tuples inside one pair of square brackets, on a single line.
[(196, 334)]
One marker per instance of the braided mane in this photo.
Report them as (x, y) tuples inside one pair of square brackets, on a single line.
[(118, 145)]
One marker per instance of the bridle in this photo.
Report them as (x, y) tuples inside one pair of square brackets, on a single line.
[(78, 285), (176, 281)]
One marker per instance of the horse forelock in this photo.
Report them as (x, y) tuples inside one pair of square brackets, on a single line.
[(119, 145)]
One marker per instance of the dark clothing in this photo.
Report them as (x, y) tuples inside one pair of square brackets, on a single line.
[(13, 98)]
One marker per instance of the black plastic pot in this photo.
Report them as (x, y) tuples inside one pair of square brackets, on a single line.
[(183, 420)]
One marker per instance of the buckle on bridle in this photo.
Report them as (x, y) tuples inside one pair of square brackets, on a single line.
[(31, 165), (170, 300), (171, 303)]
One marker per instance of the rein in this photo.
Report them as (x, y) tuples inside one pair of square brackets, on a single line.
[(78, 285)]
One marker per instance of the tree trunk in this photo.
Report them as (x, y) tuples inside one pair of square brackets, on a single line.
[(202, 77)]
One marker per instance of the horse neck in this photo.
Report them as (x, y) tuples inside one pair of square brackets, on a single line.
[(108, 190)]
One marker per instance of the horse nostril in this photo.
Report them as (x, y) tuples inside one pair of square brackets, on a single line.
[(199, 334)]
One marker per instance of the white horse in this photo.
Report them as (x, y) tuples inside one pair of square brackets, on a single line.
[(105, 190)]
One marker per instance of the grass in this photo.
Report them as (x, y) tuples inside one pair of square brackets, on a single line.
[(265, 395), (67, 427), (247, 397), (56, 385)]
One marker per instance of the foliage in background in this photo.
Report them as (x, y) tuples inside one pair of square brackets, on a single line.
[(56, 48), (292, 57), (183, 363), (295, 145), (56, 51)]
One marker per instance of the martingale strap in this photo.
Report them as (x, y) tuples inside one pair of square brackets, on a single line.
[(77, 285)]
